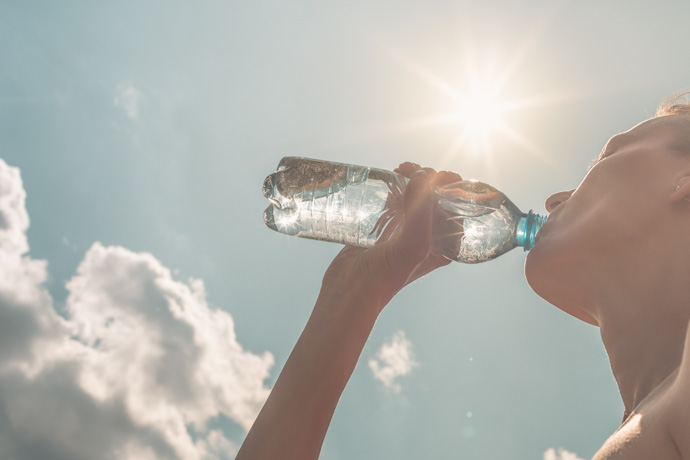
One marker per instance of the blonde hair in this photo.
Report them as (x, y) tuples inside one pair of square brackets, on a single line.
[(675, 104)]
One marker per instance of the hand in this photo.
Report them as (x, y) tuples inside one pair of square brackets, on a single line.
[(371, 277)]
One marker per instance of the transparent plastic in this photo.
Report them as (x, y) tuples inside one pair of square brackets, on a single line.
[(356, 205)]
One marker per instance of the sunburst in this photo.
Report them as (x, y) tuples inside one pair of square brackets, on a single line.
[(480, 109)]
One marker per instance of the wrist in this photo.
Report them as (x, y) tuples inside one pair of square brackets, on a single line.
[(350, 300)]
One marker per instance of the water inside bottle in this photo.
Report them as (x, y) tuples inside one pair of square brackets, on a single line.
[(355, 205), (346, 204), (484, 218)]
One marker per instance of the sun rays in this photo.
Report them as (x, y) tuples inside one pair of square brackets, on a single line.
[(481, 109), (475, 102)]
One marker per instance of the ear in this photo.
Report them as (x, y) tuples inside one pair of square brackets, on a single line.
[(683, 188)]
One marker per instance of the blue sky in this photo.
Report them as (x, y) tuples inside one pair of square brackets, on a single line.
[(140, 134)]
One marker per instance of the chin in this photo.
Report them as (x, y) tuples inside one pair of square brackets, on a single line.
[(550, 277)]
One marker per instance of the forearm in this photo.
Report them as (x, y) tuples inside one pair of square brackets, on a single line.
[(295, 418)]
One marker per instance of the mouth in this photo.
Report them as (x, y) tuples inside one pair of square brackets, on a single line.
[(541, 231), (551, 217)]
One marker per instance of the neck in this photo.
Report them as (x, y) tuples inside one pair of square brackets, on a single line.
[(643, 315), (642, 359)]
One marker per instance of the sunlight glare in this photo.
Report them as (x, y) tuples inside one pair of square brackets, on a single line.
[(481, 108), (479, 116)]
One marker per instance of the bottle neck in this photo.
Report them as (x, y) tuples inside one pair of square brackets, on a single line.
[(527, 229)]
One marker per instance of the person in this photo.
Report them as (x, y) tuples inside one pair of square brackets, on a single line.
[(614, 252)]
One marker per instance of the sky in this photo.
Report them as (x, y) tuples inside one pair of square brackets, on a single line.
[(145, 309)]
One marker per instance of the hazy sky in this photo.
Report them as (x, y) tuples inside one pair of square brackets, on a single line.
[(147, 311)]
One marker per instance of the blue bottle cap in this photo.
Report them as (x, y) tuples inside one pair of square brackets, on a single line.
[(527, 229)]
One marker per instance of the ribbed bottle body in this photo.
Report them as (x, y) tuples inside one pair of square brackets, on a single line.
[(348, 204)]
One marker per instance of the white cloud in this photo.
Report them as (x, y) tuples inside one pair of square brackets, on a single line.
[(562, 454), (129, 98), (393, 360), (138, 368), (14, 220)]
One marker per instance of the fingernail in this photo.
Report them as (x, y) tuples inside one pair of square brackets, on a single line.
[(418, 173)]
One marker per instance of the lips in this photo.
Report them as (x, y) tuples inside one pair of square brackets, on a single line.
[(540, 233)]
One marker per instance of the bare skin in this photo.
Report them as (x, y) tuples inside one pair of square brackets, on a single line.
[(614, 253)]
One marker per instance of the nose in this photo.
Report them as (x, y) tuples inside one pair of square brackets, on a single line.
[(554, 200)]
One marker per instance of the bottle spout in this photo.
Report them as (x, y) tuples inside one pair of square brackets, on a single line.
[(527, 229)]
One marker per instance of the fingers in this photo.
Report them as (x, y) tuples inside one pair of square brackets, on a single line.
[(446, 177), (408, 169), (413, 244), (415, 238)]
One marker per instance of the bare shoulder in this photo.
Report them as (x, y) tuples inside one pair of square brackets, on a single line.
[(679, 399), (646, 434)]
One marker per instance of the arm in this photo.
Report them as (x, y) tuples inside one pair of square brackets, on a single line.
[(355, 288)]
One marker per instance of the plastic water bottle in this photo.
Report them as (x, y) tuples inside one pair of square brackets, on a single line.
[(356, 205)]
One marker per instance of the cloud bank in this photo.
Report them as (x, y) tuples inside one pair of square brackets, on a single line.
[(139, 367), (393, 360)]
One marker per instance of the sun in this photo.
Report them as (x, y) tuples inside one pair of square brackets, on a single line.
[(479, 116), (482, 112), (478, 103)]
